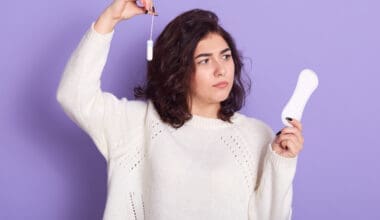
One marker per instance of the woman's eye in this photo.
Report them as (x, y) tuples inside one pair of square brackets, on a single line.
[(203, 61), (227, 56)]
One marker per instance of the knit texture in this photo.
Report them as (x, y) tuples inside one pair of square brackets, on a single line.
[(207, 169)]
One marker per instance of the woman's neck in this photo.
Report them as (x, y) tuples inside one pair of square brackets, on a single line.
[(205, 109)]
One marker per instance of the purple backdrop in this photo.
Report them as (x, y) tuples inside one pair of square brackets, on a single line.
[(50, 169)]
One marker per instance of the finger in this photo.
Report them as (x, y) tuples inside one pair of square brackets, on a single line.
[(131, 1), (149, 5), (293, 130), (291, 146), (291, 137), (297, 145), (137, 10), (295, 123), (145, 4), (154, 10), (142, 10)]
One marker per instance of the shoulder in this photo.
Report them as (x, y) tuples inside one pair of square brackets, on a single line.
[(136, 110), (253, 127), (136, 106), (119, 110)]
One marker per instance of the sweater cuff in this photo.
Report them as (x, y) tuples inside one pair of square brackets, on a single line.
[(280, 162), (97, 35)]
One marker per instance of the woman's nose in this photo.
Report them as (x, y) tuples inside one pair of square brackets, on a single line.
[(220, 69)]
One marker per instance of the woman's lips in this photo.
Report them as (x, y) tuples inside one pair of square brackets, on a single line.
[(221, 84)]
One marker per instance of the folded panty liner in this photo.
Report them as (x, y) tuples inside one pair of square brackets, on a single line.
[(306, 85)]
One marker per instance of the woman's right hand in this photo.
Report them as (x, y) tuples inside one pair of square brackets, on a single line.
[(126, 9), (121, 10)]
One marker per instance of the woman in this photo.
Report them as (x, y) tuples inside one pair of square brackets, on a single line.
[(184, 152)]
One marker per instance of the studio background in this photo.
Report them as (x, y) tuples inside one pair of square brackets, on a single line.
[(50, 169)]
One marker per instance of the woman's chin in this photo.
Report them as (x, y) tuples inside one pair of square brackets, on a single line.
[(221, 98)]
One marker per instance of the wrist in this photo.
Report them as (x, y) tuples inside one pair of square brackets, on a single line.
[(106, 22)]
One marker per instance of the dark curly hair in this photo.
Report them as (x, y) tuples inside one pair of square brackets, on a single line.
[(169, 73)]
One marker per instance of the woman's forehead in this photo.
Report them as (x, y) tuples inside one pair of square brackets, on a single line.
[(212, 43)]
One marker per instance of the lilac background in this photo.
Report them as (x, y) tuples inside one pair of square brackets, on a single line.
[(50, 169)]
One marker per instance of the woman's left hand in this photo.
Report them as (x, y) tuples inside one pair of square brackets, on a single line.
[(289, 140)]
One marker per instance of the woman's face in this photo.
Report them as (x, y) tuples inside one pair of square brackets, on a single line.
[(213, 65)]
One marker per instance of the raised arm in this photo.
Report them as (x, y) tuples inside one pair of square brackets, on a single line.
[(79, 92)]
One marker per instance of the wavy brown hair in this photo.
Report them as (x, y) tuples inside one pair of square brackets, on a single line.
[(169, 73)]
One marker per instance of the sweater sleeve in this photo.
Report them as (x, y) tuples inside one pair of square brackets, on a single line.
[(272, 196), (80, 95)]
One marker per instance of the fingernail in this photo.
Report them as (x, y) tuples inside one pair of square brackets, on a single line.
[(154, 10), (146, 11), (289, 119), (279, 132)]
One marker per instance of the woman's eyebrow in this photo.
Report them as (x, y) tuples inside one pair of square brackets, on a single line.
[(225, 50), (209, 54)]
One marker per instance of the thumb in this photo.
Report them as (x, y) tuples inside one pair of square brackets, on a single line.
[(131, 9), (141, 10)]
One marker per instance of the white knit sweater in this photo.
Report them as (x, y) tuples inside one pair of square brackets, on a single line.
[(207, 169)]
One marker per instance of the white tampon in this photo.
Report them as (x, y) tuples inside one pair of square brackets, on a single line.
[(149, 43), (149, 50), (307, 83)]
